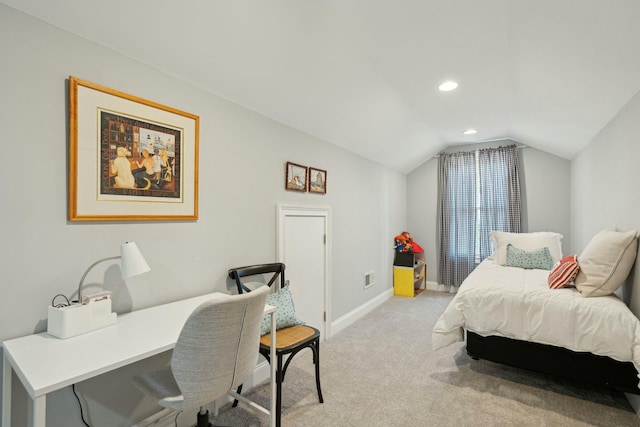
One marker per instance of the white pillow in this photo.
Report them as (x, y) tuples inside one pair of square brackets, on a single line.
[(527, 242), (606, 262)]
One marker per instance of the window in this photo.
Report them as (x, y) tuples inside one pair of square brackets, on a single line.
[(479, 192)]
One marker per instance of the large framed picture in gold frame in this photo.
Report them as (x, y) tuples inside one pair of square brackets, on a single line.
[(129, 158)]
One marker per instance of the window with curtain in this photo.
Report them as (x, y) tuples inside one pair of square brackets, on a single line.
[(478, 192)]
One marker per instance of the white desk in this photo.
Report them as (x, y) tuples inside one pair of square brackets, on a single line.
[(45, 363)]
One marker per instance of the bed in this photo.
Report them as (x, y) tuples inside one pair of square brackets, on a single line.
[(509, 314)]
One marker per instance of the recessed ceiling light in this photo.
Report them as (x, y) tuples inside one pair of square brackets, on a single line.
[(470, 131), (448, 85)]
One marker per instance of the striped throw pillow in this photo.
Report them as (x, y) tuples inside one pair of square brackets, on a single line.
[(564, 273)]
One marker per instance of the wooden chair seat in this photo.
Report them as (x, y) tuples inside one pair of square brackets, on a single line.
[(291, 336)]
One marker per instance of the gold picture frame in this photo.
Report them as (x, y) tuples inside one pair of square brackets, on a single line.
[(130, 159)]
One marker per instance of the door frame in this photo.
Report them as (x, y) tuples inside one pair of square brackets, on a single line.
[(286, 210)]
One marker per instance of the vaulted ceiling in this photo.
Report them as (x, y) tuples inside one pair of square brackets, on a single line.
[(364, 74)]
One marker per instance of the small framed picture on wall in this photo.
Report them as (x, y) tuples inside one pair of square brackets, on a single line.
[(317, 181), (296, 177)]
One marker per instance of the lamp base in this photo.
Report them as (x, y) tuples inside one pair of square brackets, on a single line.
[(77, 319)]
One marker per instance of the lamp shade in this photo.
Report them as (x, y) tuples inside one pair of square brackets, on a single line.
[(132, 262)]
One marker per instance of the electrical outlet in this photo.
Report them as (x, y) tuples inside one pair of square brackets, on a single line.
[(369, 279)]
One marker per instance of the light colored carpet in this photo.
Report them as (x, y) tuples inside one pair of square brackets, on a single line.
[(381, 371)]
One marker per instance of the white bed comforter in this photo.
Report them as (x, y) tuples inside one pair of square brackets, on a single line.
[(517, 303)]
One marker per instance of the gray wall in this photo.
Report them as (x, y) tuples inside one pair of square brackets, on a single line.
[(545, 192), (242, 163), (604, 186)]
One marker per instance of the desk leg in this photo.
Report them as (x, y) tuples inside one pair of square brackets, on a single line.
[(38, 414), (272, 366), (7, 372)]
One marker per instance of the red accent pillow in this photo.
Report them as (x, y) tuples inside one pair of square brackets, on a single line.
[(564, 272), (417, 247)]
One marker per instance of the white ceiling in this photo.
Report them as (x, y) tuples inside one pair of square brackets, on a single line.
[(363, 74)]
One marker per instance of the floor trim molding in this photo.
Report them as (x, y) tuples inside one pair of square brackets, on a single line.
[(349, 318)]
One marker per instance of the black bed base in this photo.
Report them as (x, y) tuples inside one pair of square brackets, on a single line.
[(584, 367)]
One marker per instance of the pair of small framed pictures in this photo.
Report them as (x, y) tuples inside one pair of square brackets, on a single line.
[(303, 178)]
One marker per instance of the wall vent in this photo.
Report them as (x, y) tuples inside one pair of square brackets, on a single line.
[(369, 279)]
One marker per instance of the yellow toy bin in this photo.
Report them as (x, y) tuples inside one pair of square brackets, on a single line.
[(409, 274)]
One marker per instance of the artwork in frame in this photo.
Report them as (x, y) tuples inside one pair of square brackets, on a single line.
[(130, 158), (317, 181), (296, 177)]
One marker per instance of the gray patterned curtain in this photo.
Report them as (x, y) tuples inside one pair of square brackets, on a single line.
[(478, 192), (457, 218), (500, 205)]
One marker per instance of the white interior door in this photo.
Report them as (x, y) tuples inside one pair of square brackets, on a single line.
[(303, 248)]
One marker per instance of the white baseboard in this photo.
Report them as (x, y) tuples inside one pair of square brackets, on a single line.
[(435, 286), (349, 318), (163, 417)]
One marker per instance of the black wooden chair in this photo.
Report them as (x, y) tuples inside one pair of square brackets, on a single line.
[(289, 340)]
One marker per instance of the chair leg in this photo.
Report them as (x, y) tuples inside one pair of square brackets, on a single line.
[(239, 391), (203, 418), (316, 361), (279, 379)]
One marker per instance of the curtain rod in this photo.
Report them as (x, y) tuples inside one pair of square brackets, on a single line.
[(518, 145)]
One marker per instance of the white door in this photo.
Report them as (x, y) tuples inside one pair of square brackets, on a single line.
[(303, 248)]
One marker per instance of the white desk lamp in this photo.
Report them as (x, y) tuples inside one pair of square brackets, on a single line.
[(94, 312)]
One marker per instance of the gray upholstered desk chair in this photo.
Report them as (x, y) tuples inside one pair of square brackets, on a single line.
[(216, 351)]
